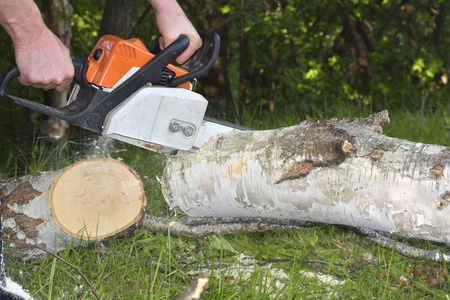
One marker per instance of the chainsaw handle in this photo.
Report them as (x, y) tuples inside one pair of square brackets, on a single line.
[(9, 74), (13, 72), (67, 113), (196, 63)]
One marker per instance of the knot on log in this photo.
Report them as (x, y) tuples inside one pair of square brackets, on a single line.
[(317, 144), (444, 200)]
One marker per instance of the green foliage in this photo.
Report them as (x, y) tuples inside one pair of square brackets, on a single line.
[(300, 50)]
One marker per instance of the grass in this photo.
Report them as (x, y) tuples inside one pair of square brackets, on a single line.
[(160, 266), (313, 263)]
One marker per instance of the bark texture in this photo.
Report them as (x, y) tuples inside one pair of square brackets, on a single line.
[(118, 17), (338, 171), (26, 216)]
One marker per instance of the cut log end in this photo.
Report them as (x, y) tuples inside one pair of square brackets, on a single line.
[(96, 198)]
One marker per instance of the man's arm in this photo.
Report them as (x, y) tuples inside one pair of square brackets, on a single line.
[(43, 60), (172, 22)]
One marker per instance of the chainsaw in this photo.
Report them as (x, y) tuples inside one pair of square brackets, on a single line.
[(126, 92)]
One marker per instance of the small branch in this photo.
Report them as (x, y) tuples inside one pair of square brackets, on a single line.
[(423, 100), (400, 248), (199, 228), (58, 257)]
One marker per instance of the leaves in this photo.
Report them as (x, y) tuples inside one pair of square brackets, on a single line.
[(218, 242), (298, 49)]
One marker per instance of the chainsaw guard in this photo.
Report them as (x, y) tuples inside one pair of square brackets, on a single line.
[(158, 118)]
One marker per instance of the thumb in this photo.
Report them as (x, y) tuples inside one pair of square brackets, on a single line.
[(162, 45)]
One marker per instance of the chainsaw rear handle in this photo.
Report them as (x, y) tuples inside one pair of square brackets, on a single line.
[(92, 104), (196, 64), (13, 72)]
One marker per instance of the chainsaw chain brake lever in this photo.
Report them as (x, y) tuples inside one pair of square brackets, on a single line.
[(92, 104), (201, 61)]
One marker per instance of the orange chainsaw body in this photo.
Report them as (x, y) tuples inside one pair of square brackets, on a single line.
[(113, 57)]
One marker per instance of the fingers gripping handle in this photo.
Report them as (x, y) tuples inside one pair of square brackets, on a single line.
[(13, 72), (198, 64), (153, 69)]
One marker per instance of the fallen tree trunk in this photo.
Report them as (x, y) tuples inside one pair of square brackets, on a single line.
[(339, 171)]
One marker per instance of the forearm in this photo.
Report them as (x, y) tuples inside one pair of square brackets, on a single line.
[(172, 22), (169, 10), (21, 19), (164, 5)]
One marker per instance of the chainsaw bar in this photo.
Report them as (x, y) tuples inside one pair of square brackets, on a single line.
[(210, 129)]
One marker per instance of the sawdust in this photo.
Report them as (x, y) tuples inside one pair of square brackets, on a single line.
[(235, 168)]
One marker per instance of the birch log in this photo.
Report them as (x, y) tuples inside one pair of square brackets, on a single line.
[(338, 171), (91, 199)]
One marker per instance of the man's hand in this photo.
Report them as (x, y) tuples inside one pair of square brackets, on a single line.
[(43, 60), (172, 22)]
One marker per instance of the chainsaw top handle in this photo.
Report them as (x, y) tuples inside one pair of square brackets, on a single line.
[(202, 60), (92, 104)]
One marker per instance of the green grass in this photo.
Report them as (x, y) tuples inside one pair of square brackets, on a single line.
[(161, 266), (269, 265)]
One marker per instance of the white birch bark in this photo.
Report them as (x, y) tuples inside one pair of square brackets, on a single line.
[(337, 171), (26, 215)]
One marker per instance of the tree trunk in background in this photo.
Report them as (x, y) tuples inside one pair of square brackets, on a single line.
[(412, 24), (118, 17), (351, 35), (360, 27), (438, 12), (336, 171), (58, 18), (243, 61), (363, 79)]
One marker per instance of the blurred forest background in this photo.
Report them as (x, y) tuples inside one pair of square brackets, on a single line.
[(281, 61)]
